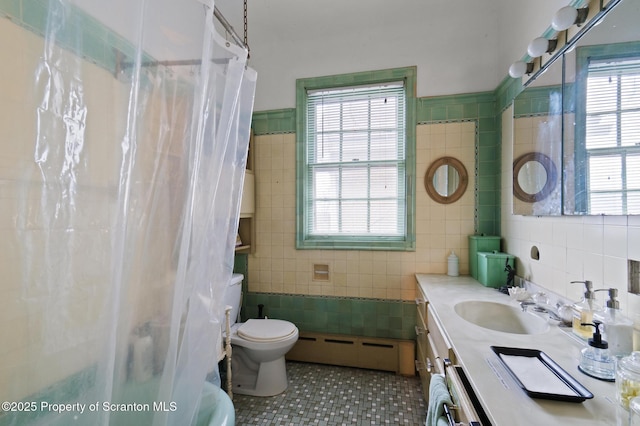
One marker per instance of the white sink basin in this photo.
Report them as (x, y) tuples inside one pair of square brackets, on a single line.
[(500, 317)]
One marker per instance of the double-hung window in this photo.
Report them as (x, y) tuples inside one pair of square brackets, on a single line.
[(355, 164), (611, 133)]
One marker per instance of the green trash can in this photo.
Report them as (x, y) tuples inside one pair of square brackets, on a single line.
[(478, 243), (491, 266)]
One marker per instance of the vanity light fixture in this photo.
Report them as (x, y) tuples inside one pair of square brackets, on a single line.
[(583, 13), (520, 68), (568, 16), (540, 45), (561, 21)]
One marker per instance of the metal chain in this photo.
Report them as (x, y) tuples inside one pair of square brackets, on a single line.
[(246, 39)]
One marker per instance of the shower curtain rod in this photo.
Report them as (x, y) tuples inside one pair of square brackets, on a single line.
[(227, 26), (121, 65)]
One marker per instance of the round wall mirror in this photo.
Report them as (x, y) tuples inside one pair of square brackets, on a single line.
[(446, 180), (534, 177)]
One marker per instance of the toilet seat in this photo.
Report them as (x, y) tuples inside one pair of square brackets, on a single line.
[(266, 330)]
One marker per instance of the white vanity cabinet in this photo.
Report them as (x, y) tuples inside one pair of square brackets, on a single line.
[(481, 388), (435, 355)]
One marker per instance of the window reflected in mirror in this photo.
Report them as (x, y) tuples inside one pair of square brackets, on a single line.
[(446, 180), (608, 128), (602, 138)]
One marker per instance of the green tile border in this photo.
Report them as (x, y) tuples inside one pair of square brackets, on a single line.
[(391, 319), (11, 8), (74, 30), (69, 390), (506, 92), (453, 108), (274, 121), (535, 101)]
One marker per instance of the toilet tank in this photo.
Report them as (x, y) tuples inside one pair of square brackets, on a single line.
[(233, 294)]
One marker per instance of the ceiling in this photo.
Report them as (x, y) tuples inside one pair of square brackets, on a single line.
[(271, 21), (458, 46)]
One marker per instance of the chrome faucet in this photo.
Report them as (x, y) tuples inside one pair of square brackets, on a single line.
[(540, 308), (526, 303)]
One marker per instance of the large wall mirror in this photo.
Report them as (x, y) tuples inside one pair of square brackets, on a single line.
[(597, 140), (537, 136)]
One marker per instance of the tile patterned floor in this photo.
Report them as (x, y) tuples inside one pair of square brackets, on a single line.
[(328, 395)]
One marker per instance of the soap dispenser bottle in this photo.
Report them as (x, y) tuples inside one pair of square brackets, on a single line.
[(583, 311), (617, 329), (595, 360)]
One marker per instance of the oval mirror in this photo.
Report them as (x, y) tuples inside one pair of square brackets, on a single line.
[(446, 180), (534, 177)]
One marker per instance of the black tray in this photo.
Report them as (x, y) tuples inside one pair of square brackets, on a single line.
[(570, 389)]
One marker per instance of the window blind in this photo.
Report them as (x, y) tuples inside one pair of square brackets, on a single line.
[(612, 135), (356, 170)]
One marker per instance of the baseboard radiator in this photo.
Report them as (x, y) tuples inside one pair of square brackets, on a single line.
[(355, 351)]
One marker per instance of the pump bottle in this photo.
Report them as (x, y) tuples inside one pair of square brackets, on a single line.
[(617, 329), (583, 311), (595, 360)]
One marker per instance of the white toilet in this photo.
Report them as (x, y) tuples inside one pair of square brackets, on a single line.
[(258, 346)]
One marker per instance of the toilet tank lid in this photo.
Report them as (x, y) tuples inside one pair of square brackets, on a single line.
[(266, 330), (236, 279)]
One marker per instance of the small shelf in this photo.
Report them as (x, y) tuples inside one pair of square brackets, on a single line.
[(246, 231), (246, 226)]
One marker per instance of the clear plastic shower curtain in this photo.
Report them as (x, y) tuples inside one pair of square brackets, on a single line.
[(121, 196)]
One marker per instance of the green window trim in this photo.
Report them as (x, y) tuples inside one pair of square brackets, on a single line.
[(303, 241)]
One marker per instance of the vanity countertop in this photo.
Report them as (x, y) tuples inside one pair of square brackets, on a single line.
[(504, 402)]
